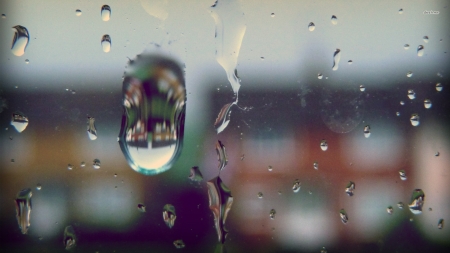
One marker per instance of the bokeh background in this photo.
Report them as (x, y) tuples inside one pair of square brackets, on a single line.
[(69, 78)]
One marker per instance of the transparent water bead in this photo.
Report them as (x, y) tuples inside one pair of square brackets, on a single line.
[(400, 11), (362, 88), (141, 208), (439, 87), (406, 46), (91, 129), (220, 201), (420, 49), (70, 238), (23, 209), (20, 40), (19, 121), (402, 174), (311, 26), (169, 215), (350, 188), (272, 214), (334, 20), (336, 59), (260, 195), (96, 164), (105, 12), (415, 119), (390, 210), (367, 131), (400, 205), (411, 94), (409, 74), (319, 76), (195, 174), (296, 186), (323, 145), (441, 224), (78, 12), (343, 215), (316, 165), (221, 155), (417, 201), (106, 43), (38, 187), (179, 244), (427, 103), (425, 39)]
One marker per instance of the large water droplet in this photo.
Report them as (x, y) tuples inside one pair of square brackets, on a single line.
[(195, 174), (141, 207), (296, 186), (106, 43), (19, 121), (106, 12), (390, 210), (334, 20), (154, 96), (221, 155), (323, 145), (70, 238), (439, 87), (402, 174), (336, 59), (169, 215), (96, 164), (220, 201), (23, 209), (420, 49), (409, 74), (411, 94), (223, 118), (20, 40), (427, 103), (91, 130), (343, 215), (179, 244), (417, 201), (406, 46), (425, 39), (441, 224), (272, 214), (78, 13), (350, 188), (311, 26), (367, 131), (415, 120)]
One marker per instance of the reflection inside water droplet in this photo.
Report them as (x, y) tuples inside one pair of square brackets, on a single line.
[(19, 121), (406, 46), (409, 74), (350, 188), (169, 215), (425, 39), (195, 174), (141, 207), (220, 201), (400, 205), (154, 96), (221, 155), (223, 118), (323, 145), (367, 131), (296, 186), (439, 87), (70, 166), (78, 13), (400, 11), (420, 49), (272, 214), (260, 195), (96, 164), (20, 40), (415, 120), (270, 168), (179, 244), (311, 26), (390, 210), (320, 76), (91, 130), (334, 20), (70, 239), (106, 43), (402, 174), (23, 209), (316, 165), (417, 201), (411, 94), (336, 59), (441, 224), (343, 215), (362, 88), (427, 103), (105, 12), (38, 187)]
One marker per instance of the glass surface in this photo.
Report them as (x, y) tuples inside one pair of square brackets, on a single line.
[(309, 126)]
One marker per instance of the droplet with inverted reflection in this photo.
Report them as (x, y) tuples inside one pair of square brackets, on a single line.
[(221, 155), (260, 195), (367, 131), (409, 74), (362, 88), (169, 215), (220, 201), (106, 43), (179, 244), (223, 118), (400, 11), (70, 166), (411, 94), (105, 12), (441, 224), (400, 205), (439, 87), (272, 214), (427, 103), (406, 46), (141, 207), (269, 168), (96, 164), (402, 174), (350, 188), (311, 26), (417, 201), (316, 165), (78, 13), (154, 98), (336, 59), (23, 209), (420, 49), (390, 210), (70, 238), (296, 186), (20, 40), (38, 187), (343, 215), (91, 130), (402, 103), (319, 76), (415, 120), (334, 20), (323, 145), (425, 39), (195, 174), (19, 121)]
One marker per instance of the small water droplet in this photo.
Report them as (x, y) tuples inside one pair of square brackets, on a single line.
[(260, 195), (195, 174), (420, 49), (27, 61), (367, 131), (91, 129), (78, 12), (437, 153), (242, 157), (272, 15), (336, 59), (334, 20), (323, 250), (350, 188), (417, 201), (397, 113), (221, 155), (19, 121), (12, 160), (272, 214), (20, 40), (406, 46), (390, 210), (115, 175), (141, 208), (106, 43), (3, 16), (220, 201), (350, 62), (343, 215), (316, 165), (400, 11), (105, 12), (311, 26), (96, 164), (441, 224), (400, 205), (169, 215), (179, 244), (70, 166), (323, 145), (38, 187), (70, 239), (270, 168), (415, 120), (430, 209), (262, 58), (409, 74), (425, 39), (427, 103), (402, 103), (362, 88), (402, 174), (320, 76), (439, 87), (296, 186), (23, 209), (411, 94), (82, 164)]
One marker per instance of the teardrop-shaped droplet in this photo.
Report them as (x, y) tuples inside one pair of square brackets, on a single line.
[(296, 186), (272, 214), (19, 121), (91, 130), (334, 20), (409, 74), (169, 215), (411, 94), (220, 201), (106, 43), (402, 174), (420, 49), (362, 88), (195, 174), (336, 59), (221, 155), (439, 87), (367, 131), (427, 103), (425, 39), (323, 145), (20, 40), (350, 188), (154, 97), (415, 120), (406, 46), (390, 210), (23, 209), (78, 13), (223, 118), (96, 164), (400, 11), (311, 26), (105, 12), (82, 164), (417, 201), (70, 238), (343, 215)]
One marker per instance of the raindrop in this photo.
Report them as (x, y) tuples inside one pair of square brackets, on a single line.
[(19, 121), (78, 13), (390, 210), (141, 207), (420, 49), (402, 174), (270, 168), (169, 215), (427, 103), (323, 250), (343, 215), (439, 87), (367, 131), (441, 224), (336, 59), (223, 118), (151, 140), (311, 26), (195, 174), (70, 239), (415, 119), (334, 20), (221, 155), (91, 130), (220, 201), (115, 175), (70, 166), (296, 186), (272, 214), (430, 209), (323, 145), (350, 62), (260, 195), (242, 157), (82, 164), (402, 103), (437, 153), (320, 76), (96, 164), (397, 113), (362, 88), (20, 40), (272, 15), (179, 244), (406, 46), (316, 165), (400, 205), (425, 39), (23, 209), (38, 187), (411, 94), (3, 16), (106, 12), (106, 43), (350, 188), (417, 201), (409, 74), (400, 11), (27, 61)]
